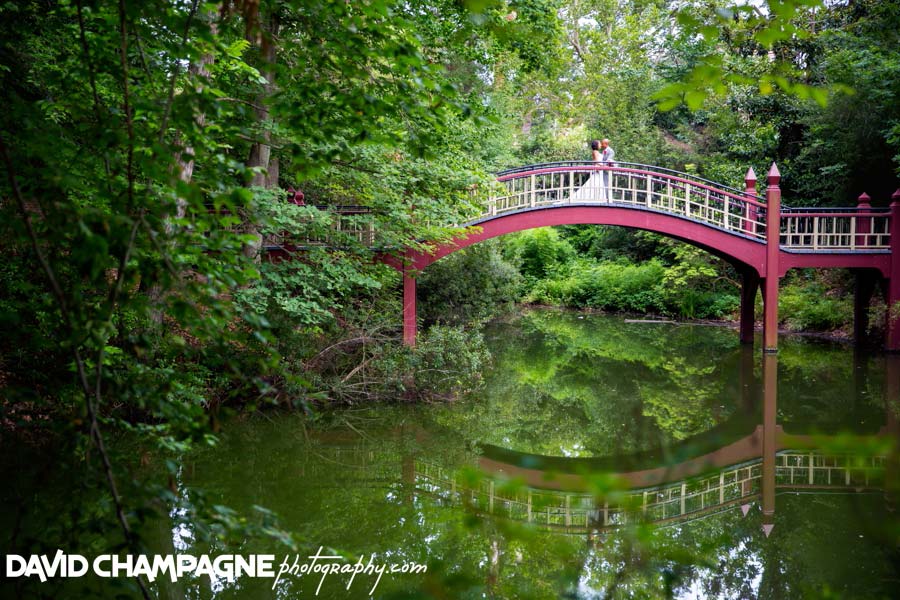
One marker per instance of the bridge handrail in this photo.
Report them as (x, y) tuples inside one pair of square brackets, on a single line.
[(629, 165), (840, 211)]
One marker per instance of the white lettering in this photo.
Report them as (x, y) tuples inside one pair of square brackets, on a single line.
[(228, 567), (78, 566), (97, 562), (142, 567), (121, 566), (163, 564), (34, 568), (223, 566), (186, 564), (19, 569), (204, 567), (264, 566), (51, 568)]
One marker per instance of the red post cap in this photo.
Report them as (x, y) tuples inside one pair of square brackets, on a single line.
[(750, 177), (774, 175)]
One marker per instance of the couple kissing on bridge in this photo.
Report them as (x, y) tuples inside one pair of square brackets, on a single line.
[(597, 186)]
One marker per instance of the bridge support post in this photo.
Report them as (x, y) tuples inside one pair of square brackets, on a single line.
[(409, 307), (892, 343), (863, 288), (749, 287), (892, 296), (773, 239)]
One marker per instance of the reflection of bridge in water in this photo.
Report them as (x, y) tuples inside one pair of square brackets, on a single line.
[(674, 501), (751, 469), (670, 501)]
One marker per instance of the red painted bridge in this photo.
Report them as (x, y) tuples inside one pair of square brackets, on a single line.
[(730, 223)]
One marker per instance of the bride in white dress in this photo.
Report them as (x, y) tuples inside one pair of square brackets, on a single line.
[(596, 188)]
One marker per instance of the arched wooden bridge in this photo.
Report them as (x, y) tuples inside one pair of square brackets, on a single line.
[(730, 223)]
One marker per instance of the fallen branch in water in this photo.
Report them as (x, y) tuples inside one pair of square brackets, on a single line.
[(651, 321)]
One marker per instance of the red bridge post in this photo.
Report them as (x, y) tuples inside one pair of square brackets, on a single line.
[(863, 223), (892, 297), (773, 239), (750, 212)]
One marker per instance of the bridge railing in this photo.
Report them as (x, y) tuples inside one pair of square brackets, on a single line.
[(819, 229), (349, 223), (633, 185), (687, 196)]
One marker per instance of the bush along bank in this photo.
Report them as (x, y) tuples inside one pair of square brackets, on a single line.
[(614, 270)]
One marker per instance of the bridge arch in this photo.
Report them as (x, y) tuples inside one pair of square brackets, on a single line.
[(747, 254), (743, 252)]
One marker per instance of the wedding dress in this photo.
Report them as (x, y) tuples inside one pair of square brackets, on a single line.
[(595, 189)]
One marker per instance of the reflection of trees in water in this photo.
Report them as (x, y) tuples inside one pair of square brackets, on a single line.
[(392, 483), (574, 384), (594, 386)]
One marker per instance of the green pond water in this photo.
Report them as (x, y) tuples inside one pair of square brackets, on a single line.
[(601, 459)]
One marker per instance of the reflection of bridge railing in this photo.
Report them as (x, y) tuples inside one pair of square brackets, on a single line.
[(681, 500), (686, 196), (567, 510)]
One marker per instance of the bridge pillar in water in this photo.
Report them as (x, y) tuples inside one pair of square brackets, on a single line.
[(409, 307), (749, 287), (866, 280), (773, 250), (892, 293)]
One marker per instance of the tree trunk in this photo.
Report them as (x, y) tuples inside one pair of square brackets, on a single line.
[(261, 150), (184, 162)]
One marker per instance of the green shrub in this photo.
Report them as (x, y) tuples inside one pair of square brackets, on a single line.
[(614, 286), (694, 303), (627, 287), (810, 306), (539, 253), (449, 360), (471, 285)]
